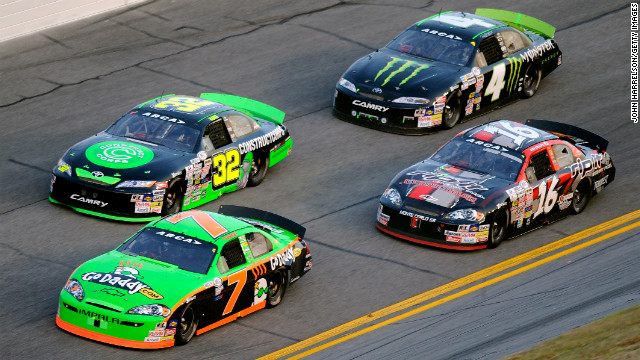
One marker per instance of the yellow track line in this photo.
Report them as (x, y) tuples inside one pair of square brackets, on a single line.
[(450, 287)]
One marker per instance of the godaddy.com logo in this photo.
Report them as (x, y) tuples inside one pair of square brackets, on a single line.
[(403, 66)]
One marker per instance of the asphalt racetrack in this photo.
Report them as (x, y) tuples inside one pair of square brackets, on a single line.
[(67, 83)]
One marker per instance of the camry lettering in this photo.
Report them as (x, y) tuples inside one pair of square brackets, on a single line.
[(367, 105), (85, 200)]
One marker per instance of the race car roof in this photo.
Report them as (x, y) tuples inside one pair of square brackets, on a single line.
[(509, 134), (190, 109), (458, 25), (204, 225)]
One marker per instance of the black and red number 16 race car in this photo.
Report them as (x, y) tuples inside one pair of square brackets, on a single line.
[(495, 180)]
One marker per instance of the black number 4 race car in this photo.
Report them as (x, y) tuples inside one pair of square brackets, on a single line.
[(493, 181), (445, 68), (170, 154)]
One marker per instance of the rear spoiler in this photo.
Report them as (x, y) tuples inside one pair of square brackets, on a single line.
[(250, 106), (263, 216), (579, 135), (519, 20)]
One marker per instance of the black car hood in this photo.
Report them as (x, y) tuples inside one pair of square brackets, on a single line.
[(128, 159), (398, 74), (439, 188)]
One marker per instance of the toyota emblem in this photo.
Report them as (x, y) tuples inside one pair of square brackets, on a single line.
[(97, 173), (377, 90)]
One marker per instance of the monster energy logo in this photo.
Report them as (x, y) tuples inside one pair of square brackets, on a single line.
[(404, 65), (516, 65)]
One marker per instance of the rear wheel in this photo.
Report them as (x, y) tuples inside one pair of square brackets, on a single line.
[(259, 166), (173, 197), (531, 81), (498, 228), (581, 197), (277, 287), (187, 324), (452, 112)]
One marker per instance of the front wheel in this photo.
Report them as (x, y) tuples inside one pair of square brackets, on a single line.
[(498, 228), (452, 112), (277, 288), (581, 197), (187, 324), (531, 81), (259, 166), (173, 197)]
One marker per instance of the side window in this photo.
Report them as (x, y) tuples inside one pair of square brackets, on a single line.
[(513, 41), (231, 256), (491, 49), (239, 125), (217, 134), (259, 244), (563, 155), (539, 167), (480, 60)]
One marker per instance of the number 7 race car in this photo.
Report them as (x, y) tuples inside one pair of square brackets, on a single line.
[(445, 68), (183, 275), (494, 180), (170, 154)]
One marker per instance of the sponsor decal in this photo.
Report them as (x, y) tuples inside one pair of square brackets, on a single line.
[(441, 33), (516, 66), (118, 154), (403, 67), (163, 117), (261, 141), (260, 290), (85, 200), (537, 51), (418, 216), (124, 278), (281, 259), (585, 167)]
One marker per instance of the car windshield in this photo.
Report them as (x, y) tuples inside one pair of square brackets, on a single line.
[(183, 251), (159, 131), (481, 157), (432, 46)]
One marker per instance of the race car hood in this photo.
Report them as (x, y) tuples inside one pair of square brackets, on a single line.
[(115, 158), (398, 74), (122, 281), (439, 188)]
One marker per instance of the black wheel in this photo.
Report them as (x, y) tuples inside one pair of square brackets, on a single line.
[(498, 228), (187, 324), (531, 81), (259, 166), (452, 112), (581, 196), (277, 287), (173, 197)]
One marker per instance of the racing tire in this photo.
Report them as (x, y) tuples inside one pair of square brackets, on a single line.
[(259, 166), (531, 81), (581, 196), (498, 228), (277, 287), (173, 197), (452, 112), (187, 324)]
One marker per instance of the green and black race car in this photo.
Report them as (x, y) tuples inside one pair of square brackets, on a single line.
[(182, 275), (170, 154), (447, 68)]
